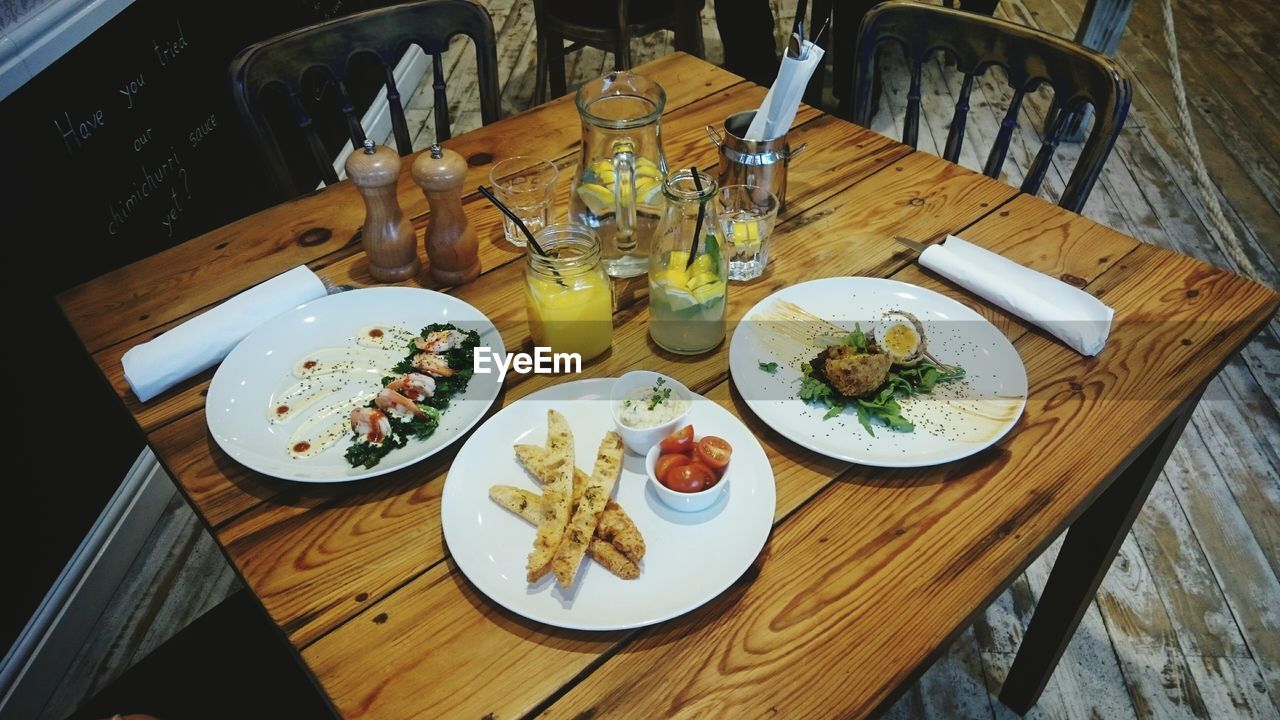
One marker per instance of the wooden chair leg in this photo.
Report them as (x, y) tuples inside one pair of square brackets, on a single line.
[(688, 27), (540, 74), (555, 64)]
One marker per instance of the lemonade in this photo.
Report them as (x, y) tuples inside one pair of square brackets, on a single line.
[(688, 268), (568, 296), (687, 304)]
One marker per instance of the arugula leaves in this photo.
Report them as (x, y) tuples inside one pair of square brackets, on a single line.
[(769, 367), (883, 408)]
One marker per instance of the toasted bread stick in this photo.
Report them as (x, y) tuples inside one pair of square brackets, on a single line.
[(616, 526), (528, 504), (557, 496), (582, 525)]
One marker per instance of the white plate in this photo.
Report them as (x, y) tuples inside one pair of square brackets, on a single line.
[(259, 367), (956, 421), (689, 559)]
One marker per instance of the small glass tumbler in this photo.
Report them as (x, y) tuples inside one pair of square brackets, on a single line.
[(527, 185), (746, 214)]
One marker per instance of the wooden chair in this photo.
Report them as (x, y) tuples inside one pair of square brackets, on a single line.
[(381, 35), (1078, 76), (606, 26)]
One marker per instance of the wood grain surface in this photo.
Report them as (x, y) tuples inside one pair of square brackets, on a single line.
[(868, 573)]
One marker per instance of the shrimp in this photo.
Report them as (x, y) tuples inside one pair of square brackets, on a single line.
[(432, 364), (415, 386), (439, 341), (371, 425), (398, 405)]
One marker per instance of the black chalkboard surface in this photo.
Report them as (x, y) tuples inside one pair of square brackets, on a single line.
[(131, 141), (126, 145)]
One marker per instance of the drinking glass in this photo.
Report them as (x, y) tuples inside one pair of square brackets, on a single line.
[(527, 185), (747, 214)]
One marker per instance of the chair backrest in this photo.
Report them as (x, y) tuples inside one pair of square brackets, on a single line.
[(1079, 77), (383, 35)]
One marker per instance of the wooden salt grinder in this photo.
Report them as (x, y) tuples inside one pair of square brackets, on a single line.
[(452, 248), (388, 236)]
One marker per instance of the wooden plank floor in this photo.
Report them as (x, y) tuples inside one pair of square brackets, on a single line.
[(1187, 622)]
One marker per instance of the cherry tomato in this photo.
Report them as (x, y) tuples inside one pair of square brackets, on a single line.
[(666, 462), (712, 476), (689, 478), (679, 441), (714, 452)]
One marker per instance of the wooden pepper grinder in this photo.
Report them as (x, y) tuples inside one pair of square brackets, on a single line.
[(452, 248), (388, 236)]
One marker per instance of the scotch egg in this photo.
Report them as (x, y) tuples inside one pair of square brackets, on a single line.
[(902, 339)]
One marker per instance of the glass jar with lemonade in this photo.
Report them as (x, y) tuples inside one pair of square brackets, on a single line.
[(687, 277), (568, 296)]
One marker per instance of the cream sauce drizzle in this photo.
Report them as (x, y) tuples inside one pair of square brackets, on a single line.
[(342, 378)]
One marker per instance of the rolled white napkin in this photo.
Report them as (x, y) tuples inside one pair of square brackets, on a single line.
[(1075, 317), (778, 110), (203, 341)]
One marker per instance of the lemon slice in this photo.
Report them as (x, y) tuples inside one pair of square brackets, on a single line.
[(746, 231), (707, 293), (672, 279), (648, 190), (648, 168), (678, 260), (680, 300), (600, 167), (702, 264), (699, 279), (598, 198)]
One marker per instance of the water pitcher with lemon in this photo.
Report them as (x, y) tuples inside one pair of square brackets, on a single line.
[(617, 190), (688, 268)]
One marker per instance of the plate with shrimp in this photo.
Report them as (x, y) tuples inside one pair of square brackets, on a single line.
[(877, 372), (354, 385)]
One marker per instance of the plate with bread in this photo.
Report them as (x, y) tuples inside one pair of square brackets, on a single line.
[(549, 514)]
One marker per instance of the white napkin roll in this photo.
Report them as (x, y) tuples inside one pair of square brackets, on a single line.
[(1075, 317), (778, 111), (203, 341)]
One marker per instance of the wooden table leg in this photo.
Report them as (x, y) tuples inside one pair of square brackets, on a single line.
[(1091, 544), (1101, 27)]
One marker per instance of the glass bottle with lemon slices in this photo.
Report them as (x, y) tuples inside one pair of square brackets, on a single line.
[(687, 279)]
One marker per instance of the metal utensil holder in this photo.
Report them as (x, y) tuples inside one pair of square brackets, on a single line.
[(752, 162)]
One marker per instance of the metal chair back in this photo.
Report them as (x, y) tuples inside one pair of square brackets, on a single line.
[(284, 62), (1079, 76)]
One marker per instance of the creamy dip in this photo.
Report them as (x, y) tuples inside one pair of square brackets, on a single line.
[(327, 383), (651, 405)]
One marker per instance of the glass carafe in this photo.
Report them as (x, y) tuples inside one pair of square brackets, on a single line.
[(617, 190), (688, 278)]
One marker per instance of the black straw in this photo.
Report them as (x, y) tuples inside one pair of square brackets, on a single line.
[(520, 224), (702, 212)]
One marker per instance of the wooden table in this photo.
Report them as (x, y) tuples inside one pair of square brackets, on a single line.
[(869, 573)]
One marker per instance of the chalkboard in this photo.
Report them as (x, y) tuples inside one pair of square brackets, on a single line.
[(126, 145), (130, 143)]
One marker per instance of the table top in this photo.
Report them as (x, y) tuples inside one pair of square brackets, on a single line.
[(868, 573)]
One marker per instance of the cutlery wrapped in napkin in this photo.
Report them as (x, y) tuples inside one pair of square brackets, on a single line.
[(1074, 316), (203, 341), (778, 110)]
